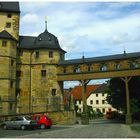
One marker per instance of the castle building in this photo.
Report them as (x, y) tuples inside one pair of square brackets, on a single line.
[(28, 67)]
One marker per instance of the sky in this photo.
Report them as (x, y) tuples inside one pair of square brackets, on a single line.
[(89, 28)]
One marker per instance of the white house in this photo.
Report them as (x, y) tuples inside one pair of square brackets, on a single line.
[(96, 99)]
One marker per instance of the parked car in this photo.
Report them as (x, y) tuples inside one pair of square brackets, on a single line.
[(20, 122), (43, 121)]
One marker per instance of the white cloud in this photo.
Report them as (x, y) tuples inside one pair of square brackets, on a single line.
[(29, 19)]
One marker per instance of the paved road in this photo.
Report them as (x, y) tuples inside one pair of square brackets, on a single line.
[(96, 129)]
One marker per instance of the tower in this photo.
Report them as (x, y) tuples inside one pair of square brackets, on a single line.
[(9, 35)]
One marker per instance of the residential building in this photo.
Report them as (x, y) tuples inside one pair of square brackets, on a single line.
[(95, 97)]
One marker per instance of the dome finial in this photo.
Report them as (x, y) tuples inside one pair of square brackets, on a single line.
[(46, 23)]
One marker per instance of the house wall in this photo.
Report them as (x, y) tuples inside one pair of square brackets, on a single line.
[(94, 105)]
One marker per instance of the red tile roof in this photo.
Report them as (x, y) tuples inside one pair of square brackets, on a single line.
[(77, 91)]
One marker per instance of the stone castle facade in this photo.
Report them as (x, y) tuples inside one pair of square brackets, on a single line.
[(28, 67)]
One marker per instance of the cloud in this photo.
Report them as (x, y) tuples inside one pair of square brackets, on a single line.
[(29, 19), (95, 28)]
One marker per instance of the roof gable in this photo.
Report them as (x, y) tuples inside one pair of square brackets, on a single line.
[(5, 35), (77, 91)]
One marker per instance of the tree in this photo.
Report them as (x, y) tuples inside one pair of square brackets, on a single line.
[(117, 97)]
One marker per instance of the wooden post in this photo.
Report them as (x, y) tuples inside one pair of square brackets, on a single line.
[(128, 118), (84, 116)]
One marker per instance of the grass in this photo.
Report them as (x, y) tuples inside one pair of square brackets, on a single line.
[(135, 128)]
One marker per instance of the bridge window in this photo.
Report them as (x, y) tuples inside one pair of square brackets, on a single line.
[(103, 68), (89, 68), (64, 70), (117, 66), (76, 70), (133, 65)]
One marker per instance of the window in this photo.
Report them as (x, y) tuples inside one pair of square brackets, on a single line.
[(80, 110), (53, 92), (117, 66), (50, 54), (4, 43), (97, 102), (11, 84), (18, 73), (103, 110), (12, 62), (8, 25), (77, 69), (103, 94), (91, 102), (103, 68), (103, 101), (133, 65), (49, 38), (64, 70), (89, 68), (43, 73), (79, 101), (37, 54), (20, 52), (11, 106), (9, 15), (96, 95)]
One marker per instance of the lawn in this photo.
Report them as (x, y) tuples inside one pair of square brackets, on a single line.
[(135, 128)]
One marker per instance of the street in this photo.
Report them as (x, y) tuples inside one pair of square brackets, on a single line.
[(99, 128)]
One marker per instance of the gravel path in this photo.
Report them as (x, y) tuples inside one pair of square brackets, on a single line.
[(96, 129)]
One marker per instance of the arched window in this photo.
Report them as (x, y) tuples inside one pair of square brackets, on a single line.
[(118, 66), (103, 68)]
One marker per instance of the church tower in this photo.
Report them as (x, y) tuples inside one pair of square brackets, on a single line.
[(9, 36)]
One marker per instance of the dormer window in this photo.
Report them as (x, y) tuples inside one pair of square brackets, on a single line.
[(49, 38), (0, 5), (40, 39)]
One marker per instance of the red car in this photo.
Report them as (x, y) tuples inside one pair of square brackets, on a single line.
[(43, 121)]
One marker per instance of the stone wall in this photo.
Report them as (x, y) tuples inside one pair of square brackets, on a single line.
[(14, 20), (35, 89)]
